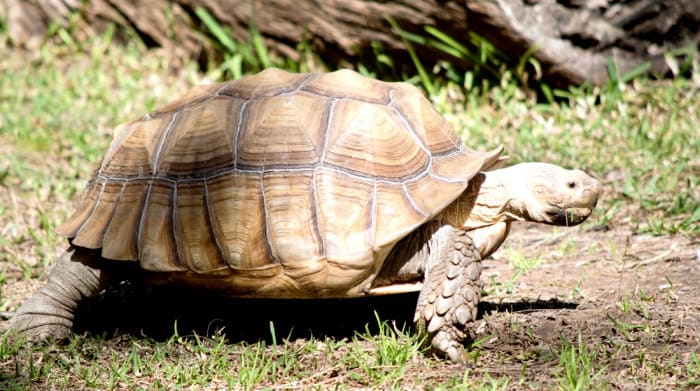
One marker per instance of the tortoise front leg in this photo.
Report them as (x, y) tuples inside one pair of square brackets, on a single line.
[(451, 291), (50, 311)]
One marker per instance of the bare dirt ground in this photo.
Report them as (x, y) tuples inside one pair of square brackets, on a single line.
[(637, 297)]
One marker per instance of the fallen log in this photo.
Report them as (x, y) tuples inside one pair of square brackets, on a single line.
[(573, 40)]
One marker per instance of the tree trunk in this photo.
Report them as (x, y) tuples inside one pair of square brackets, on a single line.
[(573, 40)]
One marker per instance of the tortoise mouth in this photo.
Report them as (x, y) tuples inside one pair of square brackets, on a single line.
[(568, 216)]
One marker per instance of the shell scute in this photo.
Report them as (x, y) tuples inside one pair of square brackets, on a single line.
[(369, 140), (92, 230), (395, 215), (83, 208), (432, 129), (134, 148), (301, 118), (348, 84), (291, 215), (344, 205), (268, 83), (238, 219), (422, 191), (455, 165), (156, 237), (199, 141), (196, 245), (120, 240)]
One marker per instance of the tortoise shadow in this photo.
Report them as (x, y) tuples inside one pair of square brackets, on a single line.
[(156, 312)]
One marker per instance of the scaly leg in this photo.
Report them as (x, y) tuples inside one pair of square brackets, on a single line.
[(451, 291), (50, 311)]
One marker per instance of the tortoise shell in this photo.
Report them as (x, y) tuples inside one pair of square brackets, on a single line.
[(277, 184)]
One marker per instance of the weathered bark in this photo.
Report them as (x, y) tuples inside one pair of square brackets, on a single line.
[(572, 39)]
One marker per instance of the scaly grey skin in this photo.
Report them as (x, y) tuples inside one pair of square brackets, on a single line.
[(49, 313), (444, 253), (452, 290)]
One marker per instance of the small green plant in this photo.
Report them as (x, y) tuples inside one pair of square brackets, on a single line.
[(254, 365), (627, 329), (578, 292), (407, 37), (242, 58), (520, 262), (614, 89), (472, 381), (626, 305), (692, 370), (671, 295), (473, 348), (471, 62), (393, 350), (578, 369), (495, 287)]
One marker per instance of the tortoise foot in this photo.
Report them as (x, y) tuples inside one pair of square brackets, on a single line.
[(39, 328), (448, 343), (49, 313)]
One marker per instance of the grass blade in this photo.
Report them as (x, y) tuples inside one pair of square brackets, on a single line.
[(424, 77), (215, 28), (260, 48)]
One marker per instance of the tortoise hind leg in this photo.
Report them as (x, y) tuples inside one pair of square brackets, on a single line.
[(451, 291), (49, 313)]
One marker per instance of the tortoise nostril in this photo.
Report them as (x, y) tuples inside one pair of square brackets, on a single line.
[(571, 184)]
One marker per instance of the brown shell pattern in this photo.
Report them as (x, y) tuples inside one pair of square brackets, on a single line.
[(293, 182)]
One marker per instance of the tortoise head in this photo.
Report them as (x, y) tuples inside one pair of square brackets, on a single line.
[(547, 193)]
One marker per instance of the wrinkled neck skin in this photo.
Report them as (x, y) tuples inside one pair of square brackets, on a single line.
[(485, 202)]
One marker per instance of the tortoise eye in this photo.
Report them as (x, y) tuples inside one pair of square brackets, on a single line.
[(571, 184)]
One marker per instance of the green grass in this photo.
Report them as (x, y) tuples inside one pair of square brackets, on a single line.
[(578, 368), (520, 262), (58, 107), (232, 59), (693, 370), (385, 365)]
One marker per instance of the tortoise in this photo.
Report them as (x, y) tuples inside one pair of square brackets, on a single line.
[(306, 186)]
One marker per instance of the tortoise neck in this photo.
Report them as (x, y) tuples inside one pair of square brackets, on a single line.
[(486, 201)]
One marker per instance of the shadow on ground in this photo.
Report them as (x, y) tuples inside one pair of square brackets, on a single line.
[(154, 312)]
